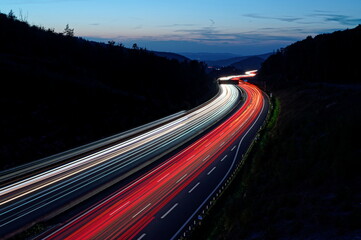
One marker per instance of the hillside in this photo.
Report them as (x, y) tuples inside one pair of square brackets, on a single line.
[(171, 56), (332, 58), (247, 64), (234, 60), (59, 91), (204, 56), (302, 179)]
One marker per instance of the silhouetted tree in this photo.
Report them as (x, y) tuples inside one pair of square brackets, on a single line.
[(135, 46), (111, 43), (11, 15), (69, 32)]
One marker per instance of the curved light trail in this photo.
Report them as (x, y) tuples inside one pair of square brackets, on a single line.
[(124, 214), (25, 201)]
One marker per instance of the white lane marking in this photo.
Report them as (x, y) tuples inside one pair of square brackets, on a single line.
[(205, 158), (141, 210), (181, 178), (163, 177), (141, 236), (211, 171), (165, 214), (224, 158), (223, 88), (219, 184), (233, 147), (119, 208), (194, 187), (223, 143)]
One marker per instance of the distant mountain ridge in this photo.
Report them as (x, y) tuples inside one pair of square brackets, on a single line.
[(250, 63), (171, 55), (229, 61), (203, 57)]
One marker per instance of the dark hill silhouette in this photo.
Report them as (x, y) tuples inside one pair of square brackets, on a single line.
[(302, 181), (332, 58), (171, 56), (59, 92), (229, 61), (250, 63)]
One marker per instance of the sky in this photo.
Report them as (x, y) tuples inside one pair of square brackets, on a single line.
[(243, 27)]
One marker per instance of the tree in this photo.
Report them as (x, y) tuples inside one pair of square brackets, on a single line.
[(111, 43), (11, 15), (68, 31), (135, 46)]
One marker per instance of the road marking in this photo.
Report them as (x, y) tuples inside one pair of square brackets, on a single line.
[(190, 157), (223, 143), (211, 171), (206, 158), (194, 187), (165, 214), (163, 177), (224, 158), (181, 178), (141, 210), (221, 181), (141, 236), (233, 147), (120, 208)]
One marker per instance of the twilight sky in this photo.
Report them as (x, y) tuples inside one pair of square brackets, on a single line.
[(234, 26)]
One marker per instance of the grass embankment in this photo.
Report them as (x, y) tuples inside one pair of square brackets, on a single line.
[(302, 179)]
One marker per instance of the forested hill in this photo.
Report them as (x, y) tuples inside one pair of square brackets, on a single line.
[(333, 58), (59, 91)]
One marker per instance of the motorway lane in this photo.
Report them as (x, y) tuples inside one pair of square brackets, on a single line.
[(183, 211), (126, 213), (32, 198)]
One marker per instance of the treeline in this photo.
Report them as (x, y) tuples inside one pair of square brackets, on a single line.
[(332, 58), (59, 91)]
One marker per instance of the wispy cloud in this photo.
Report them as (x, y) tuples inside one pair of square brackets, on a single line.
[(339, 18), (282, 18)]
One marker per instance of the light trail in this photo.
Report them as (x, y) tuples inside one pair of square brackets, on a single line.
[(27, 200), (147, 195)]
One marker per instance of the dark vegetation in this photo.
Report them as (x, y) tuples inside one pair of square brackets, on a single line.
[(332, 58), (59, 91), (302, 179)]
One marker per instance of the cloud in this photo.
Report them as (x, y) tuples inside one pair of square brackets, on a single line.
[(284, 19), (339, 18)]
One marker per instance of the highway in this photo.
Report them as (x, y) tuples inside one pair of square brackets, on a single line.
[(48, 193), (168, 199)]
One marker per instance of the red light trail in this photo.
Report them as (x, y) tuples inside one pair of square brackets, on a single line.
[(124, 214)]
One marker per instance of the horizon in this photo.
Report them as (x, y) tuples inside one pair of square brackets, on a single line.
[(240, 28)]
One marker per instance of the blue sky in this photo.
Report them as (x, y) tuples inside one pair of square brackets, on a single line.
[(234, 26)]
